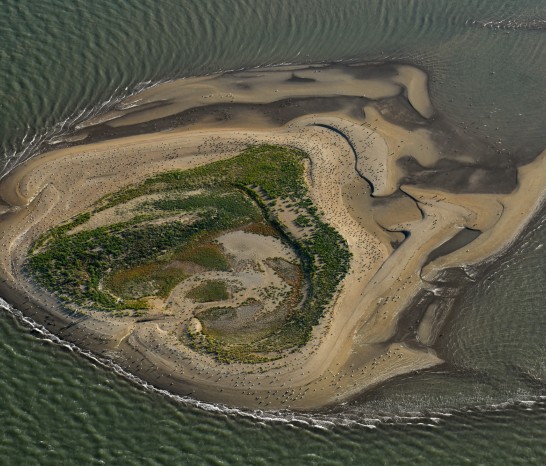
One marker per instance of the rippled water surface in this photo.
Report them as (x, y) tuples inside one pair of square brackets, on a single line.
[(63, 60)]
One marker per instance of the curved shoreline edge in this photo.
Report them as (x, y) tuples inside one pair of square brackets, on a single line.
[(390, 231)]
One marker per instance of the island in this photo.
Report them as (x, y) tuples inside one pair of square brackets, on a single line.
[(272, 238)]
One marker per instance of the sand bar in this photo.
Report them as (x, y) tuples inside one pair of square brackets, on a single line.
[(354, 160)]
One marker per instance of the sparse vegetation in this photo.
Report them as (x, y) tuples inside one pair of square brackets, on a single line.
[(261, 228), (209, 256), (302, 221), (209, 291), (145, 280)]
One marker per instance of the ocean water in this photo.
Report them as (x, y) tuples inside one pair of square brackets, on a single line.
[(64, 60)]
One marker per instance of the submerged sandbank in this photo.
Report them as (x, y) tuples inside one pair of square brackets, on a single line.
[(365, 130)]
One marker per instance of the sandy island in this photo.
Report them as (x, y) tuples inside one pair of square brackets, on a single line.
[(385, 171)]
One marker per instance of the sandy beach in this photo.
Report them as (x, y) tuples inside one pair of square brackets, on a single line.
[(376, 123)]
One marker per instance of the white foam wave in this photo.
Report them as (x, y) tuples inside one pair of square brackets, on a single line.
[(286, 417), (35, 144), (53, 135), (323, 421), (509, 24)]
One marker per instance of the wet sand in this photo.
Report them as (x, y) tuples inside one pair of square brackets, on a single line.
[(358, 157)]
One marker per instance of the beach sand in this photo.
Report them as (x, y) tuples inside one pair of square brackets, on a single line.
[(356, 178)]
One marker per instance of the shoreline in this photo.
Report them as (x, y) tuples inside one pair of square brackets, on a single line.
[(383, 280)]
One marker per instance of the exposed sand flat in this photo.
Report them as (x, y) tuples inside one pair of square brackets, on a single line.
[(268, 85), (355, 345), (252, 246), (501, 218), (396, 213), (415, 82), (370, 151), (400, 142)]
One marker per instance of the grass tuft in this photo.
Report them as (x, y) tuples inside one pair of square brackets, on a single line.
[(209, 291)]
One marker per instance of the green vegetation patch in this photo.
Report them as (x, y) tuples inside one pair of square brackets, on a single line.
[(261, 228), (302, 221), (112, 268), (209, 256), (209, 291), (102, 268), (145, 280)]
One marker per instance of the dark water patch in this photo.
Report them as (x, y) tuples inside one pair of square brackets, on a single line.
[(244, 86), (398, 111), (141, 108), (495, 327), (298, 79), (370, 71), (408, 323), (419, 392), (277, 113), (435, 303), (459, 177), (460, 240)]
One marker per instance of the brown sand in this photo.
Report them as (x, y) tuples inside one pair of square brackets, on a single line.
[(352, 348)]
